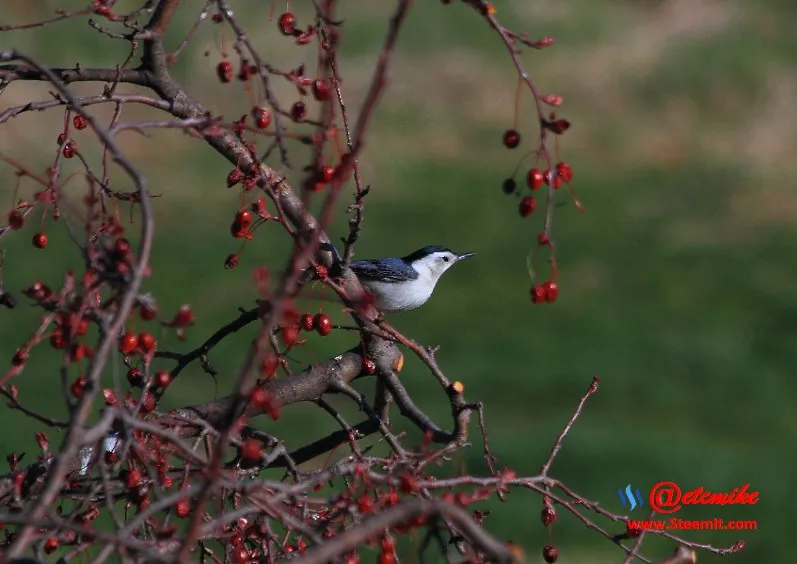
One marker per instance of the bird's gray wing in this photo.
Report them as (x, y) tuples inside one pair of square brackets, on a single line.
[(386, 270)]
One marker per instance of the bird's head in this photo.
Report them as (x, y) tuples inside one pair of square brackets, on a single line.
[(432, 262)]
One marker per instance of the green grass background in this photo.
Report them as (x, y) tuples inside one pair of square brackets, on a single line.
[(677, 284)]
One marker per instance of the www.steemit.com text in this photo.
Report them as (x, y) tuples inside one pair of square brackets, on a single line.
[(677, 524)]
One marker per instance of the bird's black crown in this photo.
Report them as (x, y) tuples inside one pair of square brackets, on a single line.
[(426, 251)]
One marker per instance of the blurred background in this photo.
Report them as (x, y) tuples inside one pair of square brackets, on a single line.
[(676, 284)]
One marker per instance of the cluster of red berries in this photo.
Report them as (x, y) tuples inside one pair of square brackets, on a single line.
[(320, 322), (119, 257), (242, 225), (265, 402), (68, 327), (287, 26), (546, 292), (535, 179), (70, 537), (322, 177), (143, 343)]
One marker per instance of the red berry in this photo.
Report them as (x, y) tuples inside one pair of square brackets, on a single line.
[(133, 478), (240, 555), (184, 316), (79, 386), (321, 90), (548, 516), (80, 122), (321, 271), (527, 206), (146, 341), (69, 150), (287, 23), (50, 546), (327, 173), (40, 240), (365, 504), (550, 553), (110, 397), (535, 179), (148, 312), (121, 247), (225, 71), (57, 339), (262, 117), (251, 449), (182, 508), (15, 220), (307, 322), (322, 323), (103, 10), (135, 378), (162, 379), (537, 294), (564, 171), (369, 366), (511, 138), (244, 218), (128, 343), (298, 110), (231, 261), (544, 239), (551, 291), (290, 334), (148, 402)]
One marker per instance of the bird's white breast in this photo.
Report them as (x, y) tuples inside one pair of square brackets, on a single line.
[(401, 296)]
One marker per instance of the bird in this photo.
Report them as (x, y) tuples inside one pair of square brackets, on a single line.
[(406, 283)]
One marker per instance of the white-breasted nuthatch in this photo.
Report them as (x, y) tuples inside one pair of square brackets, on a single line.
[(400, 284)]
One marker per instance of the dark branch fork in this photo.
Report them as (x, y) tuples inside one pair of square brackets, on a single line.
[(28, 494)]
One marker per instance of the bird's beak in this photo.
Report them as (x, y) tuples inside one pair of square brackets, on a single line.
[(463, 256)]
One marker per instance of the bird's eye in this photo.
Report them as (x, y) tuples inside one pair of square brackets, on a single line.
[(445, 259)]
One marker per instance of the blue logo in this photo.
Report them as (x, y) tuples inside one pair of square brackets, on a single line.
[(629, 496)]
